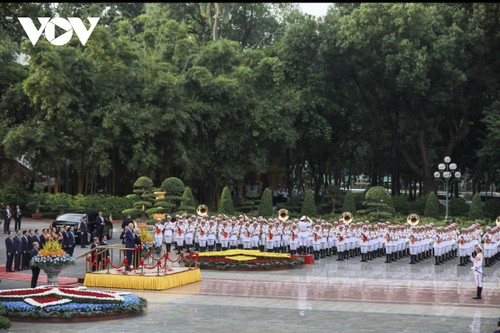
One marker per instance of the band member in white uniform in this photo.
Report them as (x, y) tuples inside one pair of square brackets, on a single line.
[(303, 226), (211, 235), (477, 268), (168, 232)]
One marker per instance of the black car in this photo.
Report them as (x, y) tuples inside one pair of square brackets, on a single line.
[(74, 220)]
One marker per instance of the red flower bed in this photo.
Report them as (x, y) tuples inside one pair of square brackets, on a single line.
[(47, 299), (88, 294), (24, 292)]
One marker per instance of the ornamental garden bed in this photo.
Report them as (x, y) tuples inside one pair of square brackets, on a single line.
[(68, 304), (246, 260)]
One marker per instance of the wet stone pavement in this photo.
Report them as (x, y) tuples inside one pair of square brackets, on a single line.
[(327, 296)]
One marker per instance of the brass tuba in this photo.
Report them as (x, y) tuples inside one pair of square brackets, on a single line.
[(347, 217), (202, 210), (498, 220), (283, 215), (413, 219)]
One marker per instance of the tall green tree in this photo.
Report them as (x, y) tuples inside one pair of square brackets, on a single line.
[(215, 13)]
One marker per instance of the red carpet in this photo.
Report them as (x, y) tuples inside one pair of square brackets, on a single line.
[(26, 276)]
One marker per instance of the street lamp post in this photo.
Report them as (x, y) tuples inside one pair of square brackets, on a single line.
[(446, 176)]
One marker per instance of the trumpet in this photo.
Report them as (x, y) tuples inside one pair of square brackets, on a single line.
[(413, 219)]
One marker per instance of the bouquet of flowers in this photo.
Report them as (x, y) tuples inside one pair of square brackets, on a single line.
[(52, 255)]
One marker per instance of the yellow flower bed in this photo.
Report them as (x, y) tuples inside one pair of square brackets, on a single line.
[(250, 253), (241, 258)]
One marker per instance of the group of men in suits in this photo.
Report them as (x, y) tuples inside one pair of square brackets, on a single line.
[(8, 214), (65, 236), (19, 246)]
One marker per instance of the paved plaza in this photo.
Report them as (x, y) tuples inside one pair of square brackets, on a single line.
[(328, 296)]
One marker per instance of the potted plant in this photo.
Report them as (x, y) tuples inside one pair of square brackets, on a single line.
[(36, 202), (52, 259)]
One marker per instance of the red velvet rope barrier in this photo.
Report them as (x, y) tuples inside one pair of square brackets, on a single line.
[(191, 258)]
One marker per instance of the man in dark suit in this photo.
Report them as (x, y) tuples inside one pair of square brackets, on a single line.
[(71, 241), (60, 236), (26, 251), (35, 270), (105, 254), (66, 241), (17, 218), (35, 237), (7, 217), (95, 258), (18, 244), (129, 243), (99, 225), (11, 251), (127, 221), (31, 238), (82, 229), (42, 237)]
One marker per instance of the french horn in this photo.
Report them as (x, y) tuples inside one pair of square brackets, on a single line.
[(202, 210), (347, 217), (413, 219), (283, 215)]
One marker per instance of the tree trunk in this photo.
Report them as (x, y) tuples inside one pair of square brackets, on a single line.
[(215, 30), (56, 183)]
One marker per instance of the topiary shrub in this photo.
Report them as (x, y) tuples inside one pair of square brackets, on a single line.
[(333, 198), (143, 182), (432, 206), (249, 203), (4, 322), (226, 205), (173, 186), (457, 207), (266, 203), (349, 203), (401, 204), (378, 202), (309, 205), (476, 208), (143, 198), (359, 198), (418, 206), (491, 208), (188, 204)]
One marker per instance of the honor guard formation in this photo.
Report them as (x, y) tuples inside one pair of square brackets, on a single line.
[(342, 239)]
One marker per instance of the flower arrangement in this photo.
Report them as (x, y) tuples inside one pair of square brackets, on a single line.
[(52, 255), (67, 302), (145, 235), (247, 259)]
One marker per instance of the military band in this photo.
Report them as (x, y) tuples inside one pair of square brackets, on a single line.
[(324, 239)]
